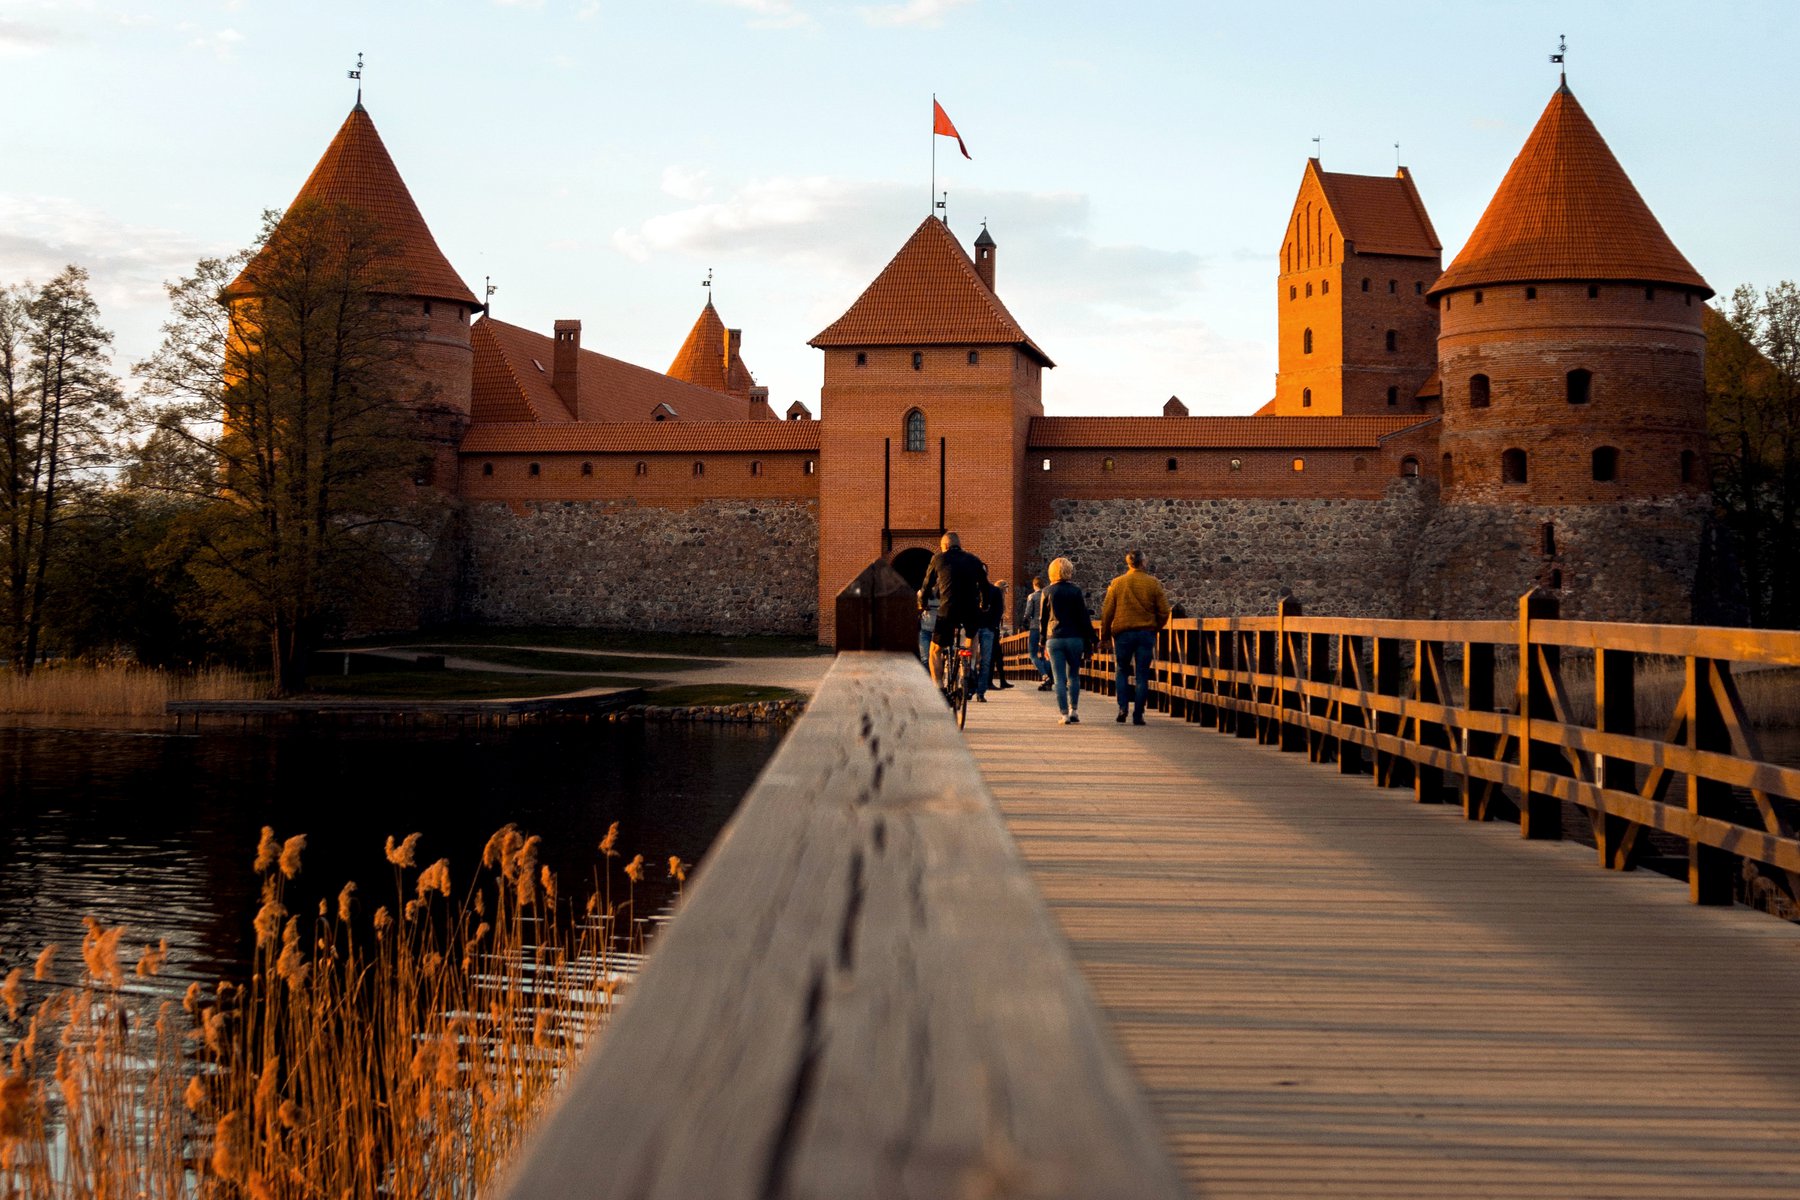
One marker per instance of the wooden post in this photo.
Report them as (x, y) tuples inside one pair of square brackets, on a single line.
[(1428, 688), (1293, 731), (1478, 696), (1615, 711), (1391, 770), (1321, 746), (1245, 691), (1264, 690), (1350, 676), (1206, 658), (1540, 814), (1710, 869)]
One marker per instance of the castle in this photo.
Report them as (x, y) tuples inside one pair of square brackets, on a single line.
[(1440, 439)]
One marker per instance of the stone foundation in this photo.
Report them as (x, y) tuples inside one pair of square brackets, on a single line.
[(720, 566)]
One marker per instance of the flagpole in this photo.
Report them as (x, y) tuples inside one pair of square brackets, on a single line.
[(931, 201)]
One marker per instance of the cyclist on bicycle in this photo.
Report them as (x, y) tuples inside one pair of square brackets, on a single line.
[(954, 580)]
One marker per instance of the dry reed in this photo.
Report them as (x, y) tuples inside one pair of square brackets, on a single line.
[(118, 691), (402, 1052)]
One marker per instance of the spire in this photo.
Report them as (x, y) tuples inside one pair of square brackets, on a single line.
[(710, 357), (356, 171), (1567, 210)]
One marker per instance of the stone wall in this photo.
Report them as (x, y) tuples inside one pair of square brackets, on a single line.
[(1233, 556), (719, 566)]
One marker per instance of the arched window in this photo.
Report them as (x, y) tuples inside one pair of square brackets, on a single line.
[(1393, 396), (811, 466), (642, 468), (1478, 295), (1581, 386), (587, 468), (1306, 398), (1309, 289), (1299, 464), (918, 360), (1325, 288), (1393, 286), (1306, 341), (1690, 466), (1046, 464), (1444, 472), (1531, 293), (1606, 464), (755, 467), (1237, 464), (974, 358), (1292, 291), (1409, 467), (487, 468), (1107, 464), (699, 468), (1480, 391), (1512, 466), (915, 430), (862, 358), (1171, 465), (1393, 341), (1365, 285), (1593, 291), (533, 470)]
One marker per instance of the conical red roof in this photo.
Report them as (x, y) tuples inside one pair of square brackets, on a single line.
[(355, 170), (701, 359), (1567, 210), (929, 295)]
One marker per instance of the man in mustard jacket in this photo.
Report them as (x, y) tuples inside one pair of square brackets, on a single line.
[(1134, 610)]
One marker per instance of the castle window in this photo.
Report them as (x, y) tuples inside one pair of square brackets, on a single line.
[(533, 470), (1531, 293), (1046, 464), (1409, 467), (1171, 465), (756, 468), (915, 431), (587, 468), (1237, 464), (862, 358), (1359, 464), (918, 360), (1478, 295), (1556, 578), (1325, 288), (1649, 293), (1512, 466), (643, 468), (1306, 342), (1309, 289), (974, 358), (1593, 291), (1107, 464), (428, 308), (1299, 464), (487, 468), (1581, 386), (1365, 285), (1418, 288), (1393, 341), (1606, 464), (699, 469), (1292, 291), (1547, 538), (462, 314), (1690, 463), (811, 466), (1393, 396), (1393, 286), (1444, 473), (1306, 398), (1687, 298), (1480, 391)]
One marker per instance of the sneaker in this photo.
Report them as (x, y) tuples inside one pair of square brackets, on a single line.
[(983, 700), (1137, 718), (1121, 717), (1044, 686), (1063, 720), (1074, 718)]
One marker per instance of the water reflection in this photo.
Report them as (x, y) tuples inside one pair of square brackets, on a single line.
[(157, 832)]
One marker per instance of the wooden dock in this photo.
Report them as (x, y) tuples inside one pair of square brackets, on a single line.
[(326, 710), (1330, 990)]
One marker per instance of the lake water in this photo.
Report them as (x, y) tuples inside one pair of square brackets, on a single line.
[(158, 831)]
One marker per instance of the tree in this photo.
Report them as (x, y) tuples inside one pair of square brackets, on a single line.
[(57, 402), (298, 397)]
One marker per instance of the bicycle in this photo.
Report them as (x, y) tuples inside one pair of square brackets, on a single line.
[(959, 675)]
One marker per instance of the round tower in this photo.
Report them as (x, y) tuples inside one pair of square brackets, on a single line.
[(1570, 346)]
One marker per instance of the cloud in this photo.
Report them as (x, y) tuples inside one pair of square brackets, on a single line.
[(926, 13), (24, 37), (686, 183), (771, 14), (222, 43)]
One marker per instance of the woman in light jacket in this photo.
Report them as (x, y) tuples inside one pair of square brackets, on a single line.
[(1067, 630)]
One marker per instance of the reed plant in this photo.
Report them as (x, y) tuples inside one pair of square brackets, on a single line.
[(400, 1050), (119, 691)]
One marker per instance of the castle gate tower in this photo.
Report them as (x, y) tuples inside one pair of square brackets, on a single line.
[(1571, 346), (930, 385), (1356, 334)]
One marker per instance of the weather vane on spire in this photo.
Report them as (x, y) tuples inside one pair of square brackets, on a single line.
[(357, 75), (707, 284), (1562, 51), (944, 203), (487, 294), (1318, 149)]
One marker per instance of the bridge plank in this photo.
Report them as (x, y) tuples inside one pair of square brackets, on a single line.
[(1331, 991), (863, 995)]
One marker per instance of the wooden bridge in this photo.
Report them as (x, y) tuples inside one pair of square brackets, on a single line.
[(1285, 940)]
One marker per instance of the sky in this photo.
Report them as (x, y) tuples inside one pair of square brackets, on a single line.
[(1135, 162)]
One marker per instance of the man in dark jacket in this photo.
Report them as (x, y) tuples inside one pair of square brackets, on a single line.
[(953, 582), (987, 626)]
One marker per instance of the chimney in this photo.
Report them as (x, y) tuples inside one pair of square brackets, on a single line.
[(566, 366), (984, 257), (734, 346)]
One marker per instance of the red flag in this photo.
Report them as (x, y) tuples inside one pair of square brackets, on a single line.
[(940, 125)]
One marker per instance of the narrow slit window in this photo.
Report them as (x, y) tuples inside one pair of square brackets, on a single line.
[(1306, 398)]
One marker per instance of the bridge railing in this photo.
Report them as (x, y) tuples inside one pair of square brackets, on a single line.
[(863, 994), (1511, 718)]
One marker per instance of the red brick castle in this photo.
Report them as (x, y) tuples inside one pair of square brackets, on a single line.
[(1439, 439)]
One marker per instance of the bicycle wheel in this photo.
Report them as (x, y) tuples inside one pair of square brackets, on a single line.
[(961, 694)]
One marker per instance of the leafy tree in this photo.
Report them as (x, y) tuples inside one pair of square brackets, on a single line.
[(58, 401), (296, 401)]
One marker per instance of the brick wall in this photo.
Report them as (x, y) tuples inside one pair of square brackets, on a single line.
[(713, 566), (664, 479)]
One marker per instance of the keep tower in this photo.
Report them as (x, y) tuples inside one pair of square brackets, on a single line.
[(930, 387), (1570, 345)]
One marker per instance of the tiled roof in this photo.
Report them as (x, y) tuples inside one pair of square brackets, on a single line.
[(1567, 210), (642, 437), (1380, 214), (929, 295), (1248, 433), (1431, 387), (513, 382), (355, 170), (701, 359)]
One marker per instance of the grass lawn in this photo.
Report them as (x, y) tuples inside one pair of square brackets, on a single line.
[(708, 645), (718, 693), (459, 685), (558, 660)]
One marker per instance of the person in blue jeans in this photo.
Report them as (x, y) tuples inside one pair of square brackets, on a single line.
[(1034, 634), (987, 631), (1134, 611), (1067, 628)]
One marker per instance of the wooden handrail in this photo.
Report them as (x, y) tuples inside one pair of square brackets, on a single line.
[(862, 995), (1382, 696)]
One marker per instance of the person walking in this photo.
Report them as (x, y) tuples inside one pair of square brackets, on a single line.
[(1134, 610), (987, 632), (1066, 628), (953, 585), (1034, 636)]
